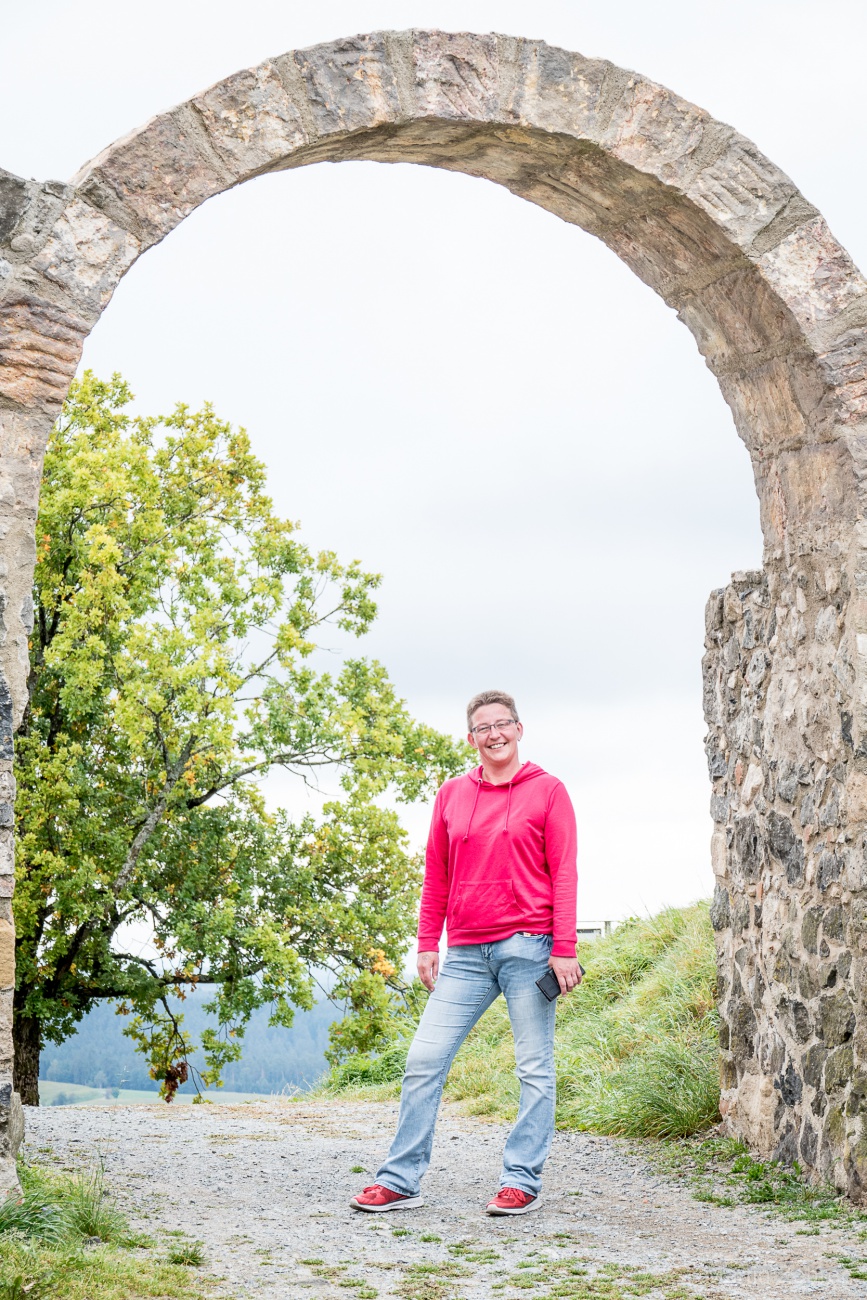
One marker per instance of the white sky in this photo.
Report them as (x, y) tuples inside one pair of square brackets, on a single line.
[(464, 392)]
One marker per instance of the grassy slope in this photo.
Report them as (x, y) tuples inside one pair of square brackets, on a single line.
[(636, 1045)]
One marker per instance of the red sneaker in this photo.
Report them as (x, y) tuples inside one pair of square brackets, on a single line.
[(511, 1200), (378, 1198)]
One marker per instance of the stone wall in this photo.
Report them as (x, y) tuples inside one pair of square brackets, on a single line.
[(790, 859), (778, 312)]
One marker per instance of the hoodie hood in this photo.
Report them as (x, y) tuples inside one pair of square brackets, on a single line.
[(526, 772)]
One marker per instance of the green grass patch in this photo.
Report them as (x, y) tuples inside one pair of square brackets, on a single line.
[(473, 1253), (431, 1281), (856, 1268), (63, 1238), (571, 1279), (191, 1254), (636, 1047), (722, 1171)]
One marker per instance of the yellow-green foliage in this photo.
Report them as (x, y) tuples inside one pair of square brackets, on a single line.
[(177, 618), (636, 1045)]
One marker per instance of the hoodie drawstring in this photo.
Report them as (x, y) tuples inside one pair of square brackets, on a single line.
[(473, 812)]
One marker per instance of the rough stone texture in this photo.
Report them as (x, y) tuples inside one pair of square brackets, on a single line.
[(777, 310), (790, 906)]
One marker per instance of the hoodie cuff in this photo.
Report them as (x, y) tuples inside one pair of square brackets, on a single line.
[(428, 943), (564, 948)]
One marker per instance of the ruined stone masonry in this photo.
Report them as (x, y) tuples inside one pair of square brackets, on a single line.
[(778, 312), (790, 857)]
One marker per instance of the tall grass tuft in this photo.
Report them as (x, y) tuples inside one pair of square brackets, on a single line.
[(62, 1238), (636, 1045), (63, 1210)]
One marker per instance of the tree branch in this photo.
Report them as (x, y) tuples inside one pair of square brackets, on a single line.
[(125, 874)]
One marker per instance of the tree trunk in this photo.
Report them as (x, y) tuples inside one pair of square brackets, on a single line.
[(27, 1041)]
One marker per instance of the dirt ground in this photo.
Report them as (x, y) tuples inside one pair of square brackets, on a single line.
[(265, 1186)]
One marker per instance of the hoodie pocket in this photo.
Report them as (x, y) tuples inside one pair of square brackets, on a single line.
[(481, 905)]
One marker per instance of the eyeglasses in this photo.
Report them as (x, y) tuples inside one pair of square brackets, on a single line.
[(494, 726)]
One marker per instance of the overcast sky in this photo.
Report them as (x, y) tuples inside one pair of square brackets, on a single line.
[(472, 397)]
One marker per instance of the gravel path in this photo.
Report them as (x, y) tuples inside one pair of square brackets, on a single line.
[(265, 1186)]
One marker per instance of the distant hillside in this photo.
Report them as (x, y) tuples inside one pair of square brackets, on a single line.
[(100, 1056)]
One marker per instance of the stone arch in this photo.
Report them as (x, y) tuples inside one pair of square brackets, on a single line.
[(777, 309)]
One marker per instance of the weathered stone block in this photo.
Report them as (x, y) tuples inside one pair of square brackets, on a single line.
[(835, 1127), (728, 1082), (808, 982), (836, 1019), (834, 925), (802, 1022), (736, 320), (13, 202), (813, 1065), (87, 254), (786, 847), (742, 1028), (749, 846), (857, 1103), (11, 1128), (456, 75), (40, 346), (755, 1107), (720, 912), (830, 868), (813, 275), (158, 175), (786, 1149), (838, 1068), (808, 1145), (556, 90), (350, 84), (673, 248), (789, 1086), (810, 929), (7, 955), (656, 131), (742, 190), (251, 121), (843, 366)]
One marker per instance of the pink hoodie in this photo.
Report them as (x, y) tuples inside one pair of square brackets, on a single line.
[(500, 858)]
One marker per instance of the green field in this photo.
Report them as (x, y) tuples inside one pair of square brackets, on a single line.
[(75, 1094)]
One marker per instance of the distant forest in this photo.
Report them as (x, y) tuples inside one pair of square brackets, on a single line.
[(274, 1059)]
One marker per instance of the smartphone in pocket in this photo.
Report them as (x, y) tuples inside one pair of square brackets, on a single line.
[(550, 985)]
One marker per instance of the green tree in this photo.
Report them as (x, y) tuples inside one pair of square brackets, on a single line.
[(174, 663)]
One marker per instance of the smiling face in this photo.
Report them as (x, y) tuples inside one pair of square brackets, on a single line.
[(498, 749)]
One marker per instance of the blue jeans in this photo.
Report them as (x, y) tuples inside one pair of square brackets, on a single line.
[(472, 977)]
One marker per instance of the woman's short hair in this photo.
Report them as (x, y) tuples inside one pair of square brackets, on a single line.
[(490, 697)]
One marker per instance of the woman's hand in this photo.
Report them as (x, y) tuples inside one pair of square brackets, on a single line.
[(567, 970), (428, 966)]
